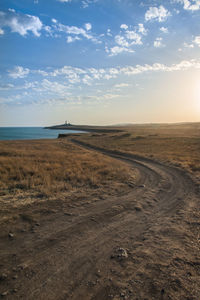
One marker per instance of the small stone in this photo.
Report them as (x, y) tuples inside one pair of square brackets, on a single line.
[(15, 277), (4, 294), (142, 185), (120, 254), (37, 224), (11, 235), (67, 214)]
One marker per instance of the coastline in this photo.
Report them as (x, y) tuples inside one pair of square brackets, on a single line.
[(87, 128)]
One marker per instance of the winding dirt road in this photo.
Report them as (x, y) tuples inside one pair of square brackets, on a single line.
[(140, 245)]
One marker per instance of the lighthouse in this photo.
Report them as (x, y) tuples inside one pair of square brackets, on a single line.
[(67, 123)]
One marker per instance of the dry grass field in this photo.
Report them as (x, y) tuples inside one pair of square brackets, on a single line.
[(178, 144), (50, 167)]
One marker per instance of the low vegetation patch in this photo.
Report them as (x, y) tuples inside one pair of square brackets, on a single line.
[(50, 167)]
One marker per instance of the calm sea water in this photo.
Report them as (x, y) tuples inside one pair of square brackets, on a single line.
[(30, 133)]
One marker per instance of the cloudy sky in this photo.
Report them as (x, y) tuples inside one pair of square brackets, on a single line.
[(99, 61)]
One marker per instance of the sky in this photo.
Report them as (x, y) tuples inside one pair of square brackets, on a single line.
[(99, 61)]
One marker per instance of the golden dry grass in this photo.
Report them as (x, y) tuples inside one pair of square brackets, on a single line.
[(178, 144), (48, 167)]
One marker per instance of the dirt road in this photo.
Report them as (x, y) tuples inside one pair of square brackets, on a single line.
[(140, 245)]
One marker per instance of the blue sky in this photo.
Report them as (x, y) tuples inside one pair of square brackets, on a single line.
[(99, 62)]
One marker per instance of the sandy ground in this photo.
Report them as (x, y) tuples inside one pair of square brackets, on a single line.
[(141, 244)]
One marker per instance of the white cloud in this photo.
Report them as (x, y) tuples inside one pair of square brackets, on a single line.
[(67, 71), (109, 32), (88, 26), (54, 20), (69, 76), (96, 73), (183, 65), (28, 85), (141, 29), (121, 85), (54, 87), (189, 4), (124, 26), (41, 72), (197, 40), (117, 50), (164, 29), (19, 72), (49, 31), (120, 40), (87, 80), (70, 73), (64, 1), (64, 84), (134, 36), (71, 39), (11, 9), (159, 14), (76, 31), (126, 39), (158, 43), (186, 45), (20, 23), (73, 30), (109, 96), (1, 31), (86, 3)]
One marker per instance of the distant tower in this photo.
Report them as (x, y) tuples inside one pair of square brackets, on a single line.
[(67, 123)]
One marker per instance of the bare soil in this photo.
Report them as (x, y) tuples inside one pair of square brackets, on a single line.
[(141, 243)]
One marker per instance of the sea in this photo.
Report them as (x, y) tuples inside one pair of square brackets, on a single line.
[(31, 133)]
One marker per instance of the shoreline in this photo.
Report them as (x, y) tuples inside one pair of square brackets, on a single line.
[(87, 128)]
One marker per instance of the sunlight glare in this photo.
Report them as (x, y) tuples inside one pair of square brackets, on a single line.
[(197, 96)]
